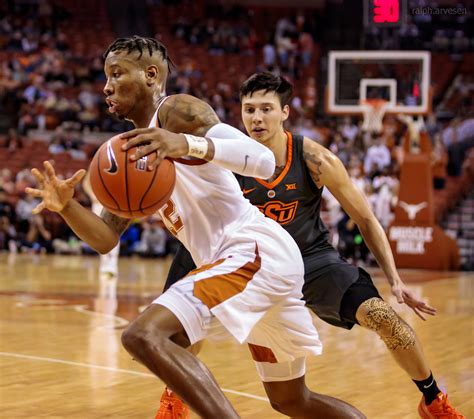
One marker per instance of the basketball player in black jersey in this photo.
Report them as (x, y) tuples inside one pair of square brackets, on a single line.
[(338, 292)]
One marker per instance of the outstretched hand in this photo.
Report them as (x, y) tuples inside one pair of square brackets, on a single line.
[(55, 193), (405, 296)]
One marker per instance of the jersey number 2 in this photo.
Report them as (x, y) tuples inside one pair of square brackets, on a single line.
[(171, 218)]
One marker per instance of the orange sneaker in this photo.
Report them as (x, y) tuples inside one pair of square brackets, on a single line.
[(440, 408), (171, 407)]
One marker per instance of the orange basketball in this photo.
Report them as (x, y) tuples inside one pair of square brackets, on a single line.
[(127, 188)]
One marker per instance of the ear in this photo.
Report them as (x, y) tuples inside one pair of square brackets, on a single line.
[(286, 112), (152, 75)]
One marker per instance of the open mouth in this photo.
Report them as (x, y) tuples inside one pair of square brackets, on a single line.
[(112, 105), (258, 130)]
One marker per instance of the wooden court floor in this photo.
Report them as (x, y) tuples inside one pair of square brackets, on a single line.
[(61, 357)]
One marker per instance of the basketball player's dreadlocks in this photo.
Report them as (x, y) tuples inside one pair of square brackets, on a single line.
[(138, 43)]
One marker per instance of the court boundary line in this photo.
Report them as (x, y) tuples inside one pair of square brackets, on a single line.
[(113, 369)]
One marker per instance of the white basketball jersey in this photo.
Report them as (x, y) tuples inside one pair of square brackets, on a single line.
[(206, 207)]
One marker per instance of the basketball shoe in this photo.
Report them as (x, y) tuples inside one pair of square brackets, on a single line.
[(171, 407), (440, 408)]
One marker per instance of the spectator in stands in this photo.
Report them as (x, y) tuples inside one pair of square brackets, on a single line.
[(153, 239), (62, 43), (385, 187), (338, 145), (285, 49), (23, 209), (66, 242), (23, 179), (449, 134), (7, 222), (440, 41), (57, 143), (351, 244), (466, 92), (432, 125), (15, 42), (7, 181), (215, 45), (305, 127), (30, 43), (310, 95), (32, 231), (439, 163), (348, 129), (89, 117), (217, 104), (269, 56), (232, 45), (377, 157), (87, 97), (36, 90), (460, 42), (8, 235), (13, 142), (356, 175), (306, 45), (249, 43)]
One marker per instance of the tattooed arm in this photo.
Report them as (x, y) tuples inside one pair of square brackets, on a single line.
[(187, 114), (101, 233), (327, 170)]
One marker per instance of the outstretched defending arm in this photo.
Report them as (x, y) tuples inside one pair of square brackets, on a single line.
[(201, 135), (327, 170)]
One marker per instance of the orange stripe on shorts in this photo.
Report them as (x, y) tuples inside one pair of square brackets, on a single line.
[(216, 289), (203, 268), (262, 354)]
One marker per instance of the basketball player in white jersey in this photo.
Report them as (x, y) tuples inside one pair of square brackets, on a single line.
[(250, 275)]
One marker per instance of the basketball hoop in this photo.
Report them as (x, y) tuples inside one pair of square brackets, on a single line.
[(373, 111)]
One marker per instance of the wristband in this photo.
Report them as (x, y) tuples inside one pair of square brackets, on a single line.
[(197, 146)]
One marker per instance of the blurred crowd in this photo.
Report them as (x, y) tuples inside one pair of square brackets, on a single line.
[(25, 232), (48, 86), (43, 81), (372, 160)]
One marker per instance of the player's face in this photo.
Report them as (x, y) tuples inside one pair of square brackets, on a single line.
[(126, 84), (263, 115)]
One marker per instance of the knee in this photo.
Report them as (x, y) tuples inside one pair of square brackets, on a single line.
[(132, 338), (137, 339), (377, 315)]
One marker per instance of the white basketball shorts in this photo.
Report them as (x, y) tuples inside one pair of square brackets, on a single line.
[(236, 296)]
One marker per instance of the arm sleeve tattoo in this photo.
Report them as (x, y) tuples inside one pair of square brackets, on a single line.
[(314, 164), (118, 224), (188, 115)]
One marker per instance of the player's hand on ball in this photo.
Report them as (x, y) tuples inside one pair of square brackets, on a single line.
[(155, 140), (405, 296), (55, 193)]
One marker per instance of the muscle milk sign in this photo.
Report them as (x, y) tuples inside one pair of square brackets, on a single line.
[(415, 239), (411, 240)]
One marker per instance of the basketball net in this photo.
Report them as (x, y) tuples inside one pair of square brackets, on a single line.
[(373, 111)]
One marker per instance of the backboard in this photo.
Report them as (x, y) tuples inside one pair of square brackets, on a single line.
[(402, 78)]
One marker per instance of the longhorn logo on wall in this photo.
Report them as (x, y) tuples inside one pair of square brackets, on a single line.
[(412, 209)]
